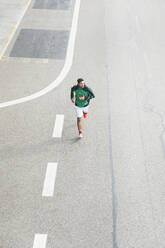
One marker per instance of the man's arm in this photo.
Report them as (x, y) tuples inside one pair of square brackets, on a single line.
[(90, 93), (72, 93)]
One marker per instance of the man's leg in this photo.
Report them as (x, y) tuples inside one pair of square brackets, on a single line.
[(79, 124), (79, 113)]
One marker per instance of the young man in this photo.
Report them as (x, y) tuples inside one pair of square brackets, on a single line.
[(80, 96)]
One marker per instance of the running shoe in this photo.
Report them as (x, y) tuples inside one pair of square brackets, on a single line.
[(80, 135)]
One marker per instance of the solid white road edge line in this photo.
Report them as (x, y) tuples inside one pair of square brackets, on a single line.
[(66, 68)]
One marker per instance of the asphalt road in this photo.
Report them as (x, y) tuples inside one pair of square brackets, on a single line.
[(109, 187)]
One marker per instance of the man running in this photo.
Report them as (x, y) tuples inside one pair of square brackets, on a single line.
[(80, 96)]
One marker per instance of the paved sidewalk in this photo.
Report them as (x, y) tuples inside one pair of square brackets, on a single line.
[(11, 12)]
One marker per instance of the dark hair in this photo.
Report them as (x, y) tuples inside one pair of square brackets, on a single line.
[(80, 80)]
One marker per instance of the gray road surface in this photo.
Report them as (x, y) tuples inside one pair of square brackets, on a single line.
[(110, 187)]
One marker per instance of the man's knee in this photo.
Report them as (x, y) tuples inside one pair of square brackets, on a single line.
[(78, 119)]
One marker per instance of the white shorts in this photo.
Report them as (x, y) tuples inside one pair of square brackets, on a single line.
[(80, 111)]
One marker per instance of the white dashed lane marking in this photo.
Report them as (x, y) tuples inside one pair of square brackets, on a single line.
[(49, 183), (58, 127), (40, 241)]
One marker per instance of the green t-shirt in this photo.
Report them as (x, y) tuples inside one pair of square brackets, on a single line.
[(79, 92)]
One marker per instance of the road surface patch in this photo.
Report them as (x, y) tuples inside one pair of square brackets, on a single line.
[(52, 4), (36, 43)]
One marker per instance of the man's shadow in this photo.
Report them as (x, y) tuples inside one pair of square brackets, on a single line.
[(75, 140)]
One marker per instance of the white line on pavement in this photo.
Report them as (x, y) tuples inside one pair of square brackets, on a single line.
[(65, 70), (40, 241), (58, 127), (50, 178)]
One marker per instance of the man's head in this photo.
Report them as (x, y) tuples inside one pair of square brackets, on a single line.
[(80, 82)]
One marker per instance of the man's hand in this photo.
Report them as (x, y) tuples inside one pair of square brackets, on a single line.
[(73, 100), (82, 98)]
